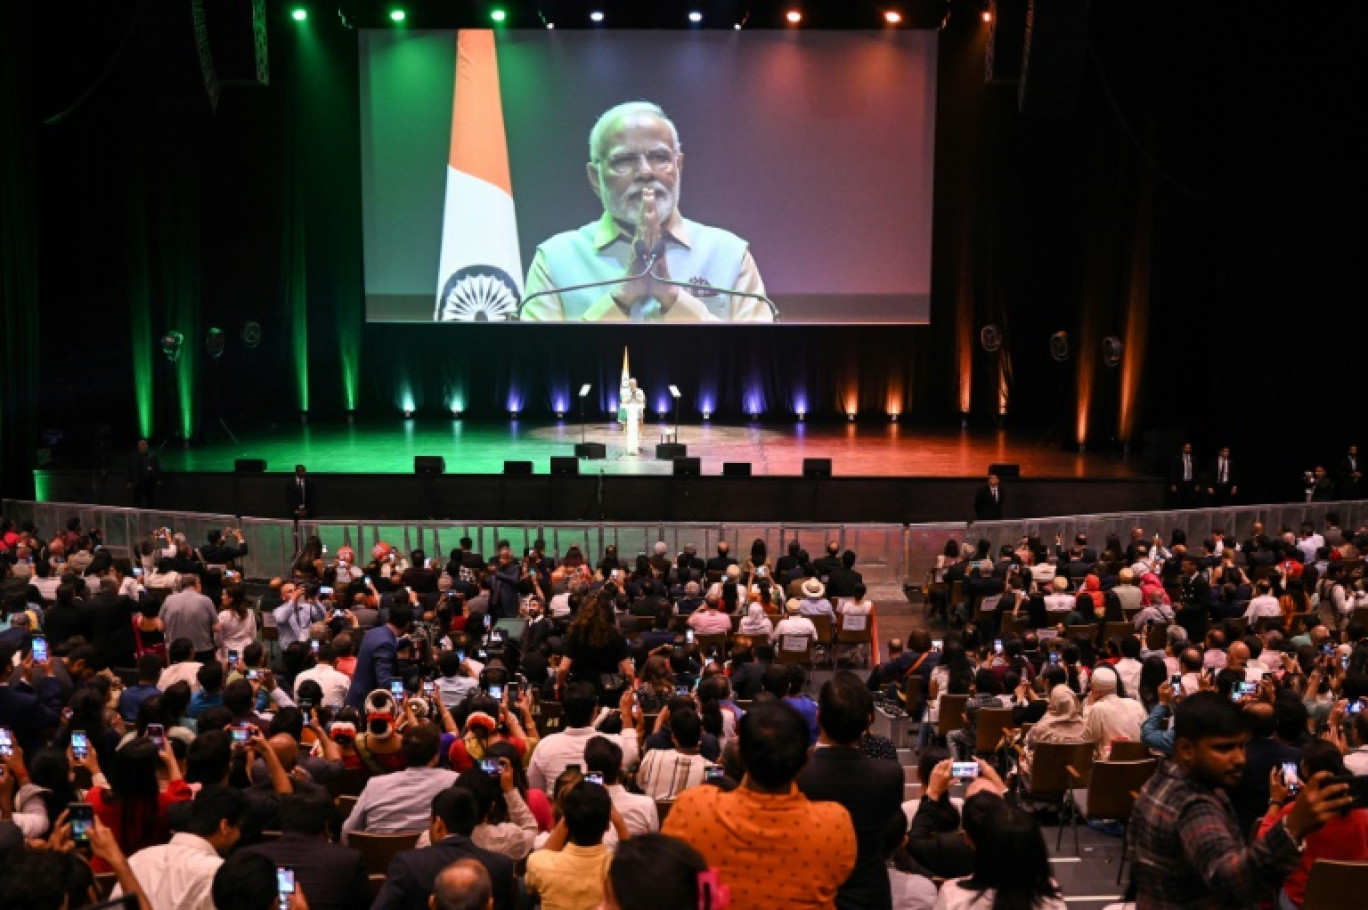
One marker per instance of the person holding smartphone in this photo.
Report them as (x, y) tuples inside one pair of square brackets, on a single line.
[(135, 809)]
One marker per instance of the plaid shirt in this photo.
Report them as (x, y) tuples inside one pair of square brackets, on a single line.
[(1189, 852)]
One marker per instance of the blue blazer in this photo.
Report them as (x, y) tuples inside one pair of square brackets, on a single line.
[(375, 664)]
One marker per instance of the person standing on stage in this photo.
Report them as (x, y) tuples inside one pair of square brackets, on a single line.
[(1222, 486), (299, 494), (144, 476), (988, 500), (634, 406), (1183, 483)]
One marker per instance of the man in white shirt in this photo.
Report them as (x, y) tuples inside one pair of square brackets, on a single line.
[(1309, 542), (333, 683), (1060, 601), (639, 813), (184, 668), (1129, 666), (559, 750), (1263, 604), (665, 773), (402, 801), (1107, 717), (794, 624), (295, 618), (180, 875)]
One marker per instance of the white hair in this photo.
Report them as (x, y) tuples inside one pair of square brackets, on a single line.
[(627, 109), (660, 547)]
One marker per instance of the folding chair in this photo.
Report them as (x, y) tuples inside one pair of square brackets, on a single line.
[(1110, 793), (993, 723), (1156, 636), (1114, 629), (951, 716), (1128, 750), (855, 633), (1088, 632), (825, 633), (1335, 885), (378, 849), (1050, 772), (795, 650)]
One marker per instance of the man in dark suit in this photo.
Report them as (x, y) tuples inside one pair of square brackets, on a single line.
[(1221, 484), (299, 494), (469, 558), (988, 500), (377, 661), (842, 582), (26, 713), (1183, 478), (1319, 487), (412, 874), (1349, 475), (723, 558), (333, 876), (109, 616), (789, 560), (829, 563), (144, 476), (870, 789)]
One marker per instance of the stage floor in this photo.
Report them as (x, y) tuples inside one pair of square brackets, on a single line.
[(856, 450)]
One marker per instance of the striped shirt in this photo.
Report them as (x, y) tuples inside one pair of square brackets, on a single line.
[(665, 773)]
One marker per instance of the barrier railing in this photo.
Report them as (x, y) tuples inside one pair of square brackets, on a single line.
[(888, 554)]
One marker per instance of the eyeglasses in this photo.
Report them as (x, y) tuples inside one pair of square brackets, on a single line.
[(661, 161)]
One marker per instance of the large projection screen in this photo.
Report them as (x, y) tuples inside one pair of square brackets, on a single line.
[(808, 158)]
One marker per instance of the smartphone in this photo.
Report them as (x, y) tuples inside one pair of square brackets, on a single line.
[(615, 574), (40, 649), (1176, 682), (491, 767), (242, 735), (397, 688), (512, 693), (460, 657), (1054, 658), (496, 692), (157, 733), (1290, 778), (306, 705), (997, 646), (82, 819), (1344, 661), (1354, 707), (314, 645), (593, 778), (1327, 649), (80, 744), (137, 572), (689, 636), (285, 884), (232, 658), (253, 675), (713, 774), (6, 743), (964, 770), (683, 690), (936, 644), (325, 591)]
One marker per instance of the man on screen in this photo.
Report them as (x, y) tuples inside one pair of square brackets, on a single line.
[(634, 168)]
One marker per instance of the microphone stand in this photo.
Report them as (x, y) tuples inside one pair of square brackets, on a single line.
[(586, 286)]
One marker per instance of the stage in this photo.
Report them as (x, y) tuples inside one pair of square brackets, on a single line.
[(890, 472)]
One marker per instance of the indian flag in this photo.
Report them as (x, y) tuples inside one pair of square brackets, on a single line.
[(480, 273)]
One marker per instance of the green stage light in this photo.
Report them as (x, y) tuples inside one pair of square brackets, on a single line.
[(397, 15), (498, 15), (299, 14)]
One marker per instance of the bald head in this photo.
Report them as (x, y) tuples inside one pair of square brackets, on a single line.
[(464, 885), (1237, 656), (285, 748)]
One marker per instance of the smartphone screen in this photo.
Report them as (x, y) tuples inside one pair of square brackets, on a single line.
[(6, 743), (593, 778), (82, 818), (80, 744), (325, 591), (253, 675), (232, 658), (314, 645), (490, 766), (496, 692), (997, 646), (689, 636), (460, 657), (935, 644), (1054, 658), (713, 773), (397, 688), (512, 692), (241, 736), (285, 884), (1291, 779), (964, 770), (40, 649), (427, 687), (1176, 681)]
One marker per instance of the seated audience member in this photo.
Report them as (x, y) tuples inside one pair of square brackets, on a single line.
[(869, 789), (558, 750), (568, 873), (1108, 716), (1011, 862), (909, 887), (1062, 724), (183, 668), (150, 667), (711, 620), (786, 682), (664, 773), (507, 825), (331, 875), (401, 801), (737, 831), (180, 874), (639, 813), (655, 872), (415, 874), (1343, 838)]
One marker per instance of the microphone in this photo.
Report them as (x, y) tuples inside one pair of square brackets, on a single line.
[(735, 292)]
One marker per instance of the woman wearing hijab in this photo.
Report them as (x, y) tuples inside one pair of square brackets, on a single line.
[(756, 624), (1062, 723)]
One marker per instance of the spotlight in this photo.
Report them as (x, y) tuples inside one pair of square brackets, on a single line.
[(707, 415), (892, 416), (793, 16), (304, 416), (408, 413), (512, 413), (892, 17), (498, 15), (351, 417), (560, 415), (397, 15), (299, 14), (550, 25), (596, 16), (455, 413), (986, 15), (695, 17), (850, 415), (802, 415), (737, 26)]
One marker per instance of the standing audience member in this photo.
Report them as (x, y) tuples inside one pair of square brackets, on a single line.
[(189, 614)]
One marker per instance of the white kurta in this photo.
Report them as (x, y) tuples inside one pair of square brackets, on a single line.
[(634, 408)]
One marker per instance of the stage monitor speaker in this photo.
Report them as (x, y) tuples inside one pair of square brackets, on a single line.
[(668, 451), (1004, 471), (564, 464), (816, 467), (595, 451), (250, 466), (736, 469), (429, 464), (520, 468), (688, 467)]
